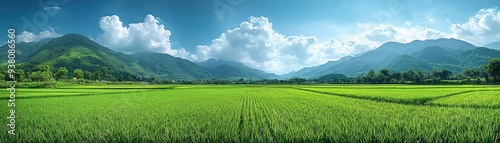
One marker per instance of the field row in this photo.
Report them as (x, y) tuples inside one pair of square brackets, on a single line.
[(457, 96), (246, 114)]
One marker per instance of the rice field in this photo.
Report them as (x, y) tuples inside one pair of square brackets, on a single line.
[(209, 113)]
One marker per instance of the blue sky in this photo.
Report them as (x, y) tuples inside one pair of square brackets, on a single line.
[(273, 35)]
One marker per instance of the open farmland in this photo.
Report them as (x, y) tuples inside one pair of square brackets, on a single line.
[(207, 113)]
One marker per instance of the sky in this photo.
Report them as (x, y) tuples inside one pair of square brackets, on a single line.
[(277, 36)]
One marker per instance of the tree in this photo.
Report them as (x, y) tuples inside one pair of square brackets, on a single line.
[(62, 73), (409, 75), (396, 76), (419, 77), (371, 76), (20, 75), (385, 71), (2, 76), (380, 78), (44, 68), (40, 76), (494, 68), (385, 74), (88, 75), (78, 73), (97, 75), (435, 73), (445, 74)]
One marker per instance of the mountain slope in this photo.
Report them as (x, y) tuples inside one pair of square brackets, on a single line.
[(23, 50), (245, 71), (75, 51), (494, 45), (167, 66), (318, 70), (230, 72), (478, 57), (438, 53), (405, 62)]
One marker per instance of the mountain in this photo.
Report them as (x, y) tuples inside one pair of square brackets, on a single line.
[(418, 45), (75, 51), (436, 54), (405, 62), (167, 66), (478, 57), (494, 45), (233, 70), (24, 50), (419, 54), (306, 72)]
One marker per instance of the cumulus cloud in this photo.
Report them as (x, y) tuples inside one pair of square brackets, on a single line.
[(376, 35), (257, 44), (335, 49), (31, 37), (482, 28), (149, 35)]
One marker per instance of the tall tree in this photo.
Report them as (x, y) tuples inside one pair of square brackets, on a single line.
[(419, 77), (78, 73), (371, 76), (409, 75), (42, 74), (494, 68), (396, 76), (62, 73), (445, 74), (435, 73)]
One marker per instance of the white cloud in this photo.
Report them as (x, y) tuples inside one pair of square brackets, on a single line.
[(52, 8), (376, 35), (482, 28), (335, 49), (149, 35), (31, 37), (255, 43)]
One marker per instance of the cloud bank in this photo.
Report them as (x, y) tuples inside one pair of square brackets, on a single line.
[(257, 44), (31, 37), (149, 35), (481, 29)]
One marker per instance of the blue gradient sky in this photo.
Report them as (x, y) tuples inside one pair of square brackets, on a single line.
[(193, 23)]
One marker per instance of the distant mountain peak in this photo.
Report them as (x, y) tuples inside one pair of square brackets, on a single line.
[(493, 45)]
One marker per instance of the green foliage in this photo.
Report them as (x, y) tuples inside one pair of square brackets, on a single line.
[(169, 67), (39, 76), (332, 78), (494, 68), (62, 73), (78, 74), (201, 113)]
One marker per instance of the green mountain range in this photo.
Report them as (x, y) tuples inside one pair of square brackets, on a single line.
[(75, 51), (453, 54), (222, 69)]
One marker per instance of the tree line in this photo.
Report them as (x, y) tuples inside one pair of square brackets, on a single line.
[(487, 74)]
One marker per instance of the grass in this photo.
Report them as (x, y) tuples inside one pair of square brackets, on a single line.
[(207, 113), (398, 94), (477, 99)]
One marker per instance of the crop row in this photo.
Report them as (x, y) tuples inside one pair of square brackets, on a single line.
[(243, 114)]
